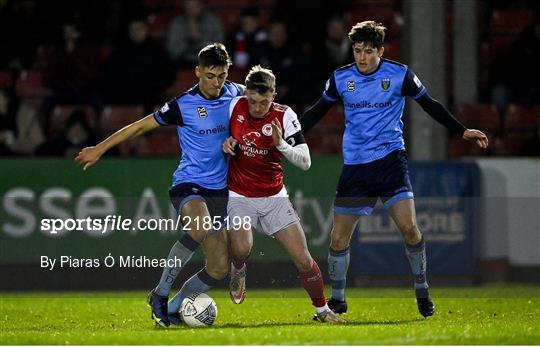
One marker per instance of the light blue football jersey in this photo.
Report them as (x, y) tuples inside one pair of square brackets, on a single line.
[(373, 106), (202, 125)]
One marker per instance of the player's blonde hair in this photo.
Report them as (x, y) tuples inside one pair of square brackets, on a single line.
[(261, 80)]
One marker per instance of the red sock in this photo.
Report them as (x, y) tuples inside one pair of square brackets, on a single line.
[(312, 281), (238, 263)]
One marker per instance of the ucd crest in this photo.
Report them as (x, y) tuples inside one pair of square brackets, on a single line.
[(351, 86), (201, 110), (385, 83)]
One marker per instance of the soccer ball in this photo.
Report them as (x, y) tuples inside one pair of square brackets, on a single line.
[(198, 310)]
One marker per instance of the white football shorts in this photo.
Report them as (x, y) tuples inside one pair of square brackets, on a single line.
[(268, 214)]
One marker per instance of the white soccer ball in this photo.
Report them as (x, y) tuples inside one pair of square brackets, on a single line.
[(198, 310)]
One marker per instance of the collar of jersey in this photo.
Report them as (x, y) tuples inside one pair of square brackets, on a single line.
[(197, 90), (372, 72)]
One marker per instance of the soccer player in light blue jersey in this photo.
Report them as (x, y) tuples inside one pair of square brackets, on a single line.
[(199, 186), (373, 91)]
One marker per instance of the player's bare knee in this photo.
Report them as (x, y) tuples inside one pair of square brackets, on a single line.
[(411, 233), (340, 238), (339, 242), (241, 249), (305, 264)]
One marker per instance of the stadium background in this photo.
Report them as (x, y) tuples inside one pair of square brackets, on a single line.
[(480, 210)]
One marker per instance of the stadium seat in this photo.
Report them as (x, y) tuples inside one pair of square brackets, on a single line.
[(105, 51), (185, 79), (229, 11), (114, 117), (229, 15), (509, 144), (457, 147), (152, 4), (30, 84), (61, 114), (375, 3), (522, 120), (509, 21), (495, 47), (484, 117), (333, 141), (382, 14), (313, 139), (323, 141), (5, 79), (237, 75), (333, 120), (393, 50), (162, 142), (158, 23), (43, 55), (213, 4)]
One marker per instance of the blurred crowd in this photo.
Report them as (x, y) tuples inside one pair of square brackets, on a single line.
[(63, 64)]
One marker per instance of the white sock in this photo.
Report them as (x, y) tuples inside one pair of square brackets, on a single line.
[(235, 269), (322, 309)]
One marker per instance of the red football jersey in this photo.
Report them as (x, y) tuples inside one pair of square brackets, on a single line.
[(256, 171)]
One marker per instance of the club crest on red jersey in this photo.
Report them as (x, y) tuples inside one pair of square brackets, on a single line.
[(240, 118), (267, 129)]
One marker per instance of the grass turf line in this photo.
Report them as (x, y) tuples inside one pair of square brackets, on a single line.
[(490, 315)]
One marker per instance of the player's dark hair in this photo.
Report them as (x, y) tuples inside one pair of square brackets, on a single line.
[(261, 80), (214, 54), (368, 32)]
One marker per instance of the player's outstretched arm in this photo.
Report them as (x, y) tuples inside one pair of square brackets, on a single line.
[(477, 136), (315, 113), (88, 156), (438, 112)]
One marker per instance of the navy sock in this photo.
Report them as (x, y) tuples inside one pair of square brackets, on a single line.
[(338, 264), (198, 283), (417, 259), (182, 250)]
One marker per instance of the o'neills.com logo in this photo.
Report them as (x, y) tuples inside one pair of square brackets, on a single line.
[(251, 152), (219, 129)]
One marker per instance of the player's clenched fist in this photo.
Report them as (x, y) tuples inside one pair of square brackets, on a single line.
[(88, 156), (229, 144)]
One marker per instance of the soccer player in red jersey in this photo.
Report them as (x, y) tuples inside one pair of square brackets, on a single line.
[(263, 131)]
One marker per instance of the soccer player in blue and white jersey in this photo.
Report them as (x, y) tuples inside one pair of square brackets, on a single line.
[(373, 91), (199, 186)]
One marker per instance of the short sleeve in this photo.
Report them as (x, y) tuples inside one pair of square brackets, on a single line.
[(232, 104), (412, 86), (169, 114), (330, 90), (240, 89)]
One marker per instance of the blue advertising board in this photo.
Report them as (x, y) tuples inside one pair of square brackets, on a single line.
[(446, 197)]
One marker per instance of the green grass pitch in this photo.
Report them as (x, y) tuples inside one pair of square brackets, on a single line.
[(491, 315)]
